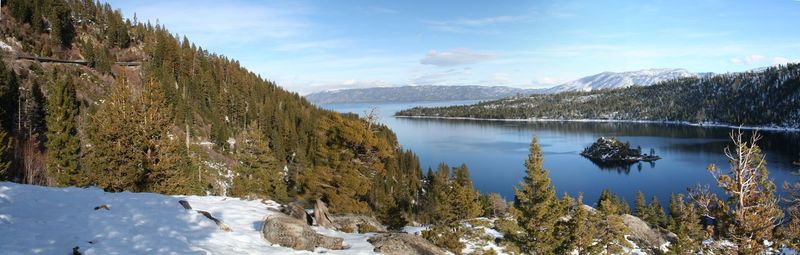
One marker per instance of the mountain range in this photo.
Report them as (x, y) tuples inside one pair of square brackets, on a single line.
[(604, 80)]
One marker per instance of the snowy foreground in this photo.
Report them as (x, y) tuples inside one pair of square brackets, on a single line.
[(44, 220)]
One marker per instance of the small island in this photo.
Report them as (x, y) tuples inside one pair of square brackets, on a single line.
[(609, 150)]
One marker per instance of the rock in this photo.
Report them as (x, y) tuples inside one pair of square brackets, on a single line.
[(185, 204), (321, 215), (644, 236), (360, 223), (222, 226), (296, 210), (284, 230), (403, 244)]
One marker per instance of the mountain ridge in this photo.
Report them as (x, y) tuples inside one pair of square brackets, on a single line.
[(409, 93)]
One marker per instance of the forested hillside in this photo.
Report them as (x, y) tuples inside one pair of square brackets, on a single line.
[(92, 99), (770, 97)]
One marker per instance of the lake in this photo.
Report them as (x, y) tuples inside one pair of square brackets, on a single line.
[(495, 152)]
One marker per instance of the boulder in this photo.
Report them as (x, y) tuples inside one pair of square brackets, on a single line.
[(403, 244), (286, 231), (296, 210), (360, 223), (641, 234), (321, 215)]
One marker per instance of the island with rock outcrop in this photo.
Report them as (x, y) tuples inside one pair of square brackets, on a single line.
[(611, 151)]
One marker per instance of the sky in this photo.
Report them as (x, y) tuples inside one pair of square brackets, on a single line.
[(309, 46)]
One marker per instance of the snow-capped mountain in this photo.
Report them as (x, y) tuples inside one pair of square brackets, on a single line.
[(607, 80)]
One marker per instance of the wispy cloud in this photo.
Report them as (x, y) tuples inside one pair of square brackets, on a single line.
[(380, 10), (220, 23), (780, 60), (749, 60), (311, 45), (455, 57), (471, 25), (446, 77)]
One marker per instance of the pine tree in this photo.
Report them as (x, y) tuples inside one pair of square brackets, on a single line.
[(114, 154), (684, 222), (751, 211), (63, 143), (611, 229), (61, 19), (259, 172), (465, 202), (640, 205), (167, 162), (6, 147), (538, 205), (582, 230), (656, 216), (9, 94)]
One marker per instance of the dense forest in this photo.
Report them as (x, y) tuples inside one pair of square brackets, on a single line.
[(770, 97), (92, 99)]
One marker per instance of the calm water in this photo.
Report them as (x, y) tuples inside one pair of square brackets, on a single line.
[(495, 152)]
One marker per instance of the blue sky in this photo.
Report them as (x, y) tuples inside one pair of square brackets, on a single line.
[(308, 46)]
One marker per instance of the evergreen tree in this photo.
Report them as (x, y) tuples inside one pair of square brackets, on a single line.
[(684, 222), (166, 162), (465, 201), (656, 216), (61, 22), (9, 94), (259, 172), (582, 230), (63, 143), (114, 156), (6, 147), (539, 207), (751, 211), (640, 205), (611, 229)]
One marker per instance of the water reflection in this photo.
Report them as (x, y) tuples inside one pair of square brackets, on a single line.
[(495, 152)]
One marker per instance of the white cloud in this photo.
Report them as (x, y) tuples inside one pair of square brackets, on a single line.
[(456, 57), (546, 82), (748, 60), (447, 77), (752, 59), (472, 25), (780, 60), (311, 45), (380, 10), (218, 23), (497, 79)]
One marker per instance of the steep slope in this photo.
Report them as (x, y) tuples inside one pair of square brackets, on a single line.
[(610, 80), (768, 98), (415, 94), (92, 99)]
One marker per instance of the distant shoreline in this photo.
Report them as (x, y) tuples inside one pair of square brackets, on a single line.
[(684, 123)]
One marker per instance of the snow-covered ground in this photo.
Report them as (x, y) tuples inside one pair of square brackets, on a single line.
[(44, 220)]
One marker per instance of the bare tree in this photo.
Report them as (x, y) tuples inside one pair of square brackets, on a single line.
[(372, 116), (751, 212)]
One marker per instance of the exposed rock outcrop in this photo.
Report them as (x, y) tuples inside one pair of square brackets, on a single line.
[(641, 234), (290, 232), (296, 210), (357, 223), (404, 244)]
